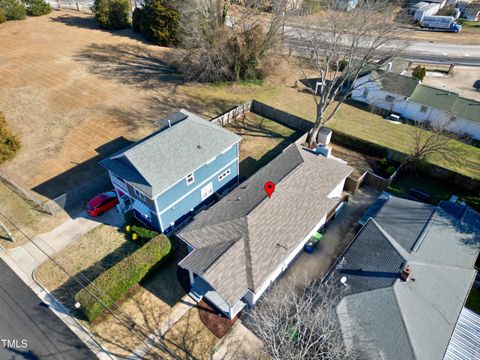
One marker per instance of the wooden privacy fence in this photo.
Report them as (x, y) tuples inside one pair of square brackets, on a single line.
[(266, 111)]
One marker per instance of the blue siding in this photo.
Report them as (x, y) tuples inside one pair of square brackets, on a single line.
[(203, 176), (153, 223)]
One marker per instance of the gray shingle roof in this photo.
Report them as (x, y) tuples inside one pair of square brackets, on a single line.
[(395, 83), (167, 156), (255, 225), (415, 319), (404, 220)]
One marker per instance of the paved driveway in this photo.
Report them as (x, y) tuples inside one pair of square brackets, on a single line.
[(339, 234), (28, 329)]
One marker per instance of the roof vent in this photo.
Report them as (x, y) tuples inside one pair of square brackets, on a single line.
[(199, 147), (405, 273)]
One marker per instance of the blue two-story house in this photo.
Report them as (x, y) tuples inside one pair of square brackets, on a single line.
[(171, 174)]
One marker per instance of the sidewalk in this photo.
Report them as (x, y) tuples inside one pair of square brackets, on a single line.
[(25, 259)]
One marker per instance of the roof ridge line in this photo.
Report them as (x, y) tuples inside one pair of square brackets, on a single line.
[(186, 229), (404, 323), (396, 246)]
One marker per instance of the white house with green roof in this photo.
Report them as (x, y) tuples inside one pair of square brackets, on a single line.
[(413, 100)]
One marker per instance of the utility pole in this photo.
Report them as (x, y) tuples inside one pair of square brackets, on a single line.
[(9, 234)]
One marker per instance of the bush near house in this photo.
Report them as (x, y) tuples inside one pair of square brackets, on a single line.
[(37, 7), (112, 14), (9, 144), (13, 9), (110, 286), (143, 233)]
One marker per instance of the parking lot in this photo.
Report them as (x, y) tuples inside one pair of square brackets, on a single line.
[(338, 235)]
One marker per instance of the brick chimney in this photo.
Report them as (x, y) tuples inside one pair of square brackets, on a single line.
[(405, 273)]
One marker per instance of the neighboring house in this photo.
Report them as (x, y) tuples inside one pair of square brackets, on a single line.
[(472, 11), (412, 100), (174, 172), (407, 275), (240, 245), (386, 90), (422, 9)]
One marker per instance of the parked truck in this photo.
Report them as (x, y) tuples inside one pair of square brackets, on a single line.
[(441, 23)]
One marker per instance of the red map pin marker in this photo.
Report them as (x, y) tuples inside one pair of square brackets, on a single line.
[(269, 188)]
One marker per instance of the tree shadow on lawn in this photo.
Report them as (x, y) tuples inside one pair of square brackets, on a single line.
[(67, 291), (158, 107), (89, 22), (130, 64)]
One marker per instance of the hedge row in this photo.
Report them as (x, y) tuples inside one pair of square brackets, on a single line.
[(9, 143), (116, 281), (362, 146)]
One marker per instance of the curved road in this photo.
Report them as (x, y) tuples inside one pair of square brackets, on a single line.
[(29, 329)]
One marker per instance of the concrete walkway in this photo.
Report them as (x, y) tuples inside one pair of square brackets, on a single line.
[(33, 253), (25, 259)]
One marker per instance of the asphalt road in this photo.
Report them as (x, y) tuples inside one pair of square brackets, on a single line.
[(458, 54), (29, 329)]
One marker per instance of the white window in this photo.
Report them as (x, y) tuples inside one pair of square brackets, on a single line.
[(365, 92), (138, 194), (389, 98), (224, 175), (190, 179), (207, 191), (423, 109)]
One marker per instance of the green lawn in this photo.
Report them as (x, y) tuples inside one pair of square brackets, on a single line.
[(366, 125), (473, 301), (214, 99), (469, 23), (438, 190), (262, 141)]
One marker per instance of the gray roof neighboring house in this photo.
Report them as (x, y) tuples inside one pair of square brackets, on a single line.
[(245, 236), (395, 83), (401, 320), (160, 160)]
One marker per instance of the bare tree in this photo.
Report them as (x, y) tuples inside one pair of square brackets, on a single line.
[(341, 45), (301, 324), (431, 140), (237, 49)]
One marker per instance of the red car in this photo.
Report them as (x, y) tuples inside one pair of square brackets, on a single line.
[(102, 203)]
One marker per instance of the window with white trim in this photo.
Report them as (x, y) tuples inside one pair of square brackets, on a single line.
[(423, 109), (190, 179), (224, 175), (207, 191), (365, 92), (138, 194)]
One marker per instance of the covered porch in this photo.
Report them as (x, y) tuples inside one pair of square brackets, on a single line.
[(202, 289)]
